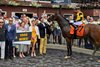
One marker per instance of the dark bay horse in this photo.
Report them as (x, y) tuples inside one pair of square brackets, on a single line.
[(91, 31)]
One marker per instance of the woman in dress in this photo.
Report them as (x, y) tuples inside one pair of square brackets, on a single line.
[(35, 33)]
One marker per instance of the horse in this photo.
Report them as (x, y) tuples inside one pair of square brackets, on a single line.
[(92, 31)]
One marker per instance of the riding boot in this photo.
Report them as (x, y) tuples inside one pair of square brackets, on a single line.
[(75, 26)]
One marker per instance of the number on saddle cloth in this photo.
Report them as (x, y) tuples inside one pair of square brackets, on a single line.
[(80, 31)]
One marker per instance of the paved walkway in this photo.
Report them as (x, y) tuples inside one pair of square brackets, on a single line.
[(74, 48), (54, 58)]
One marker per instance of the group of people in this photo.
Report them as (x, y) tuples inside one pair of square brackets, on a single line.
[(7, 34), (39, 27)]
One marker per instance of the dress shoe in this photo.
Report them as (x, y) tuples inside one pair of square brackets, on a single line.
[(44, 53), (11, 58)]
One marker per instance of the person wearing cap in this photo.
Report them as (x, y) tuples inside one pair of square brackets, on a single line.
[(77, 20), (2, 38), (10, 37), (78, 17)]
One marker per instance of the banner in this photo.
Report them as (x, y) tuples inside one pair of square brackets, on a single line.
[(24, 0), (20, 0), (60, 1), (23, 36)]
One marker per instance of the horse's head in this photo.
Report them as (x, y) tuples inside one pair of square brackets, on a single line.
[(52, 17)]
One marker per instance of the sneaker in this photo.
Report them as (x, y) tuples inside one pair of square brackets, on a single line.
[(11, 58), (40, 54)]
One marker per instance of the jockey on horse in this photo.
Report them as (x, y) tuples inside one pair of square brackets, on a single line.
[(77, 22), (78, 17)]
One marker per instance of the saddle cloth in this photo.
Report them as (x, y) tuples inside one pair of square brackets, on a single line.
[(79, 31)]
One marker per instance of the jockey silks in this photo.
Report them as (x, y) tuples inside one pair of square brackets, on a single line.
[(79, 16)]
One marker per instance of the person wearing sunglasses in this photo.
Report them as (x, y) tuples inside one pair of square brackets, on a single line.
[(10, 37)]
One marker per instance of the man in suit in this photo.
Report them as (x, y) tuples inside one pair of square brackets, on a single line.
[(43, 28), (2, 39), (10, 37)]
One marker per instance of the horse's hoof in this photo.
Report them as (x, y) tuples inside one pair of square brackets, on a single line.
[(67, 57)]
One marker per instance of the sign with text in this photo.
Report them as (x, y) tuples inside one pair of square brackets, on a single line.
[(23, 36), (60, 1)]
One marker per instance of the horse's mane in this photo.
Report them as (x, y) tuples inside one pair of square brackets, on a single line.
[(60, 19), (63, 17)]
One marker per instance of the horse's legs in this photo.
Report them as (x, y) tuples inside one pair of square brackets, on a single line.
[(72, 41), (85, 40), (69, 48), (95, 49), (80, 41)]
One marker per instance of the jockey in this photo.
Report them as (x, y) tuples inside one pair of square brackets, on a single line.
[(78, 18)]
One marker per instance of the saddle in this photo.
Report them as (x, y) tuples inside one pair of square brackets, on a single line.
[(78, 30)]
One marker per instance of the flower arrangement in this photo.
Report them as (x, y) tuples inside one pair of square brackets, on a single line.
[(35, 4), (13, 3)]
